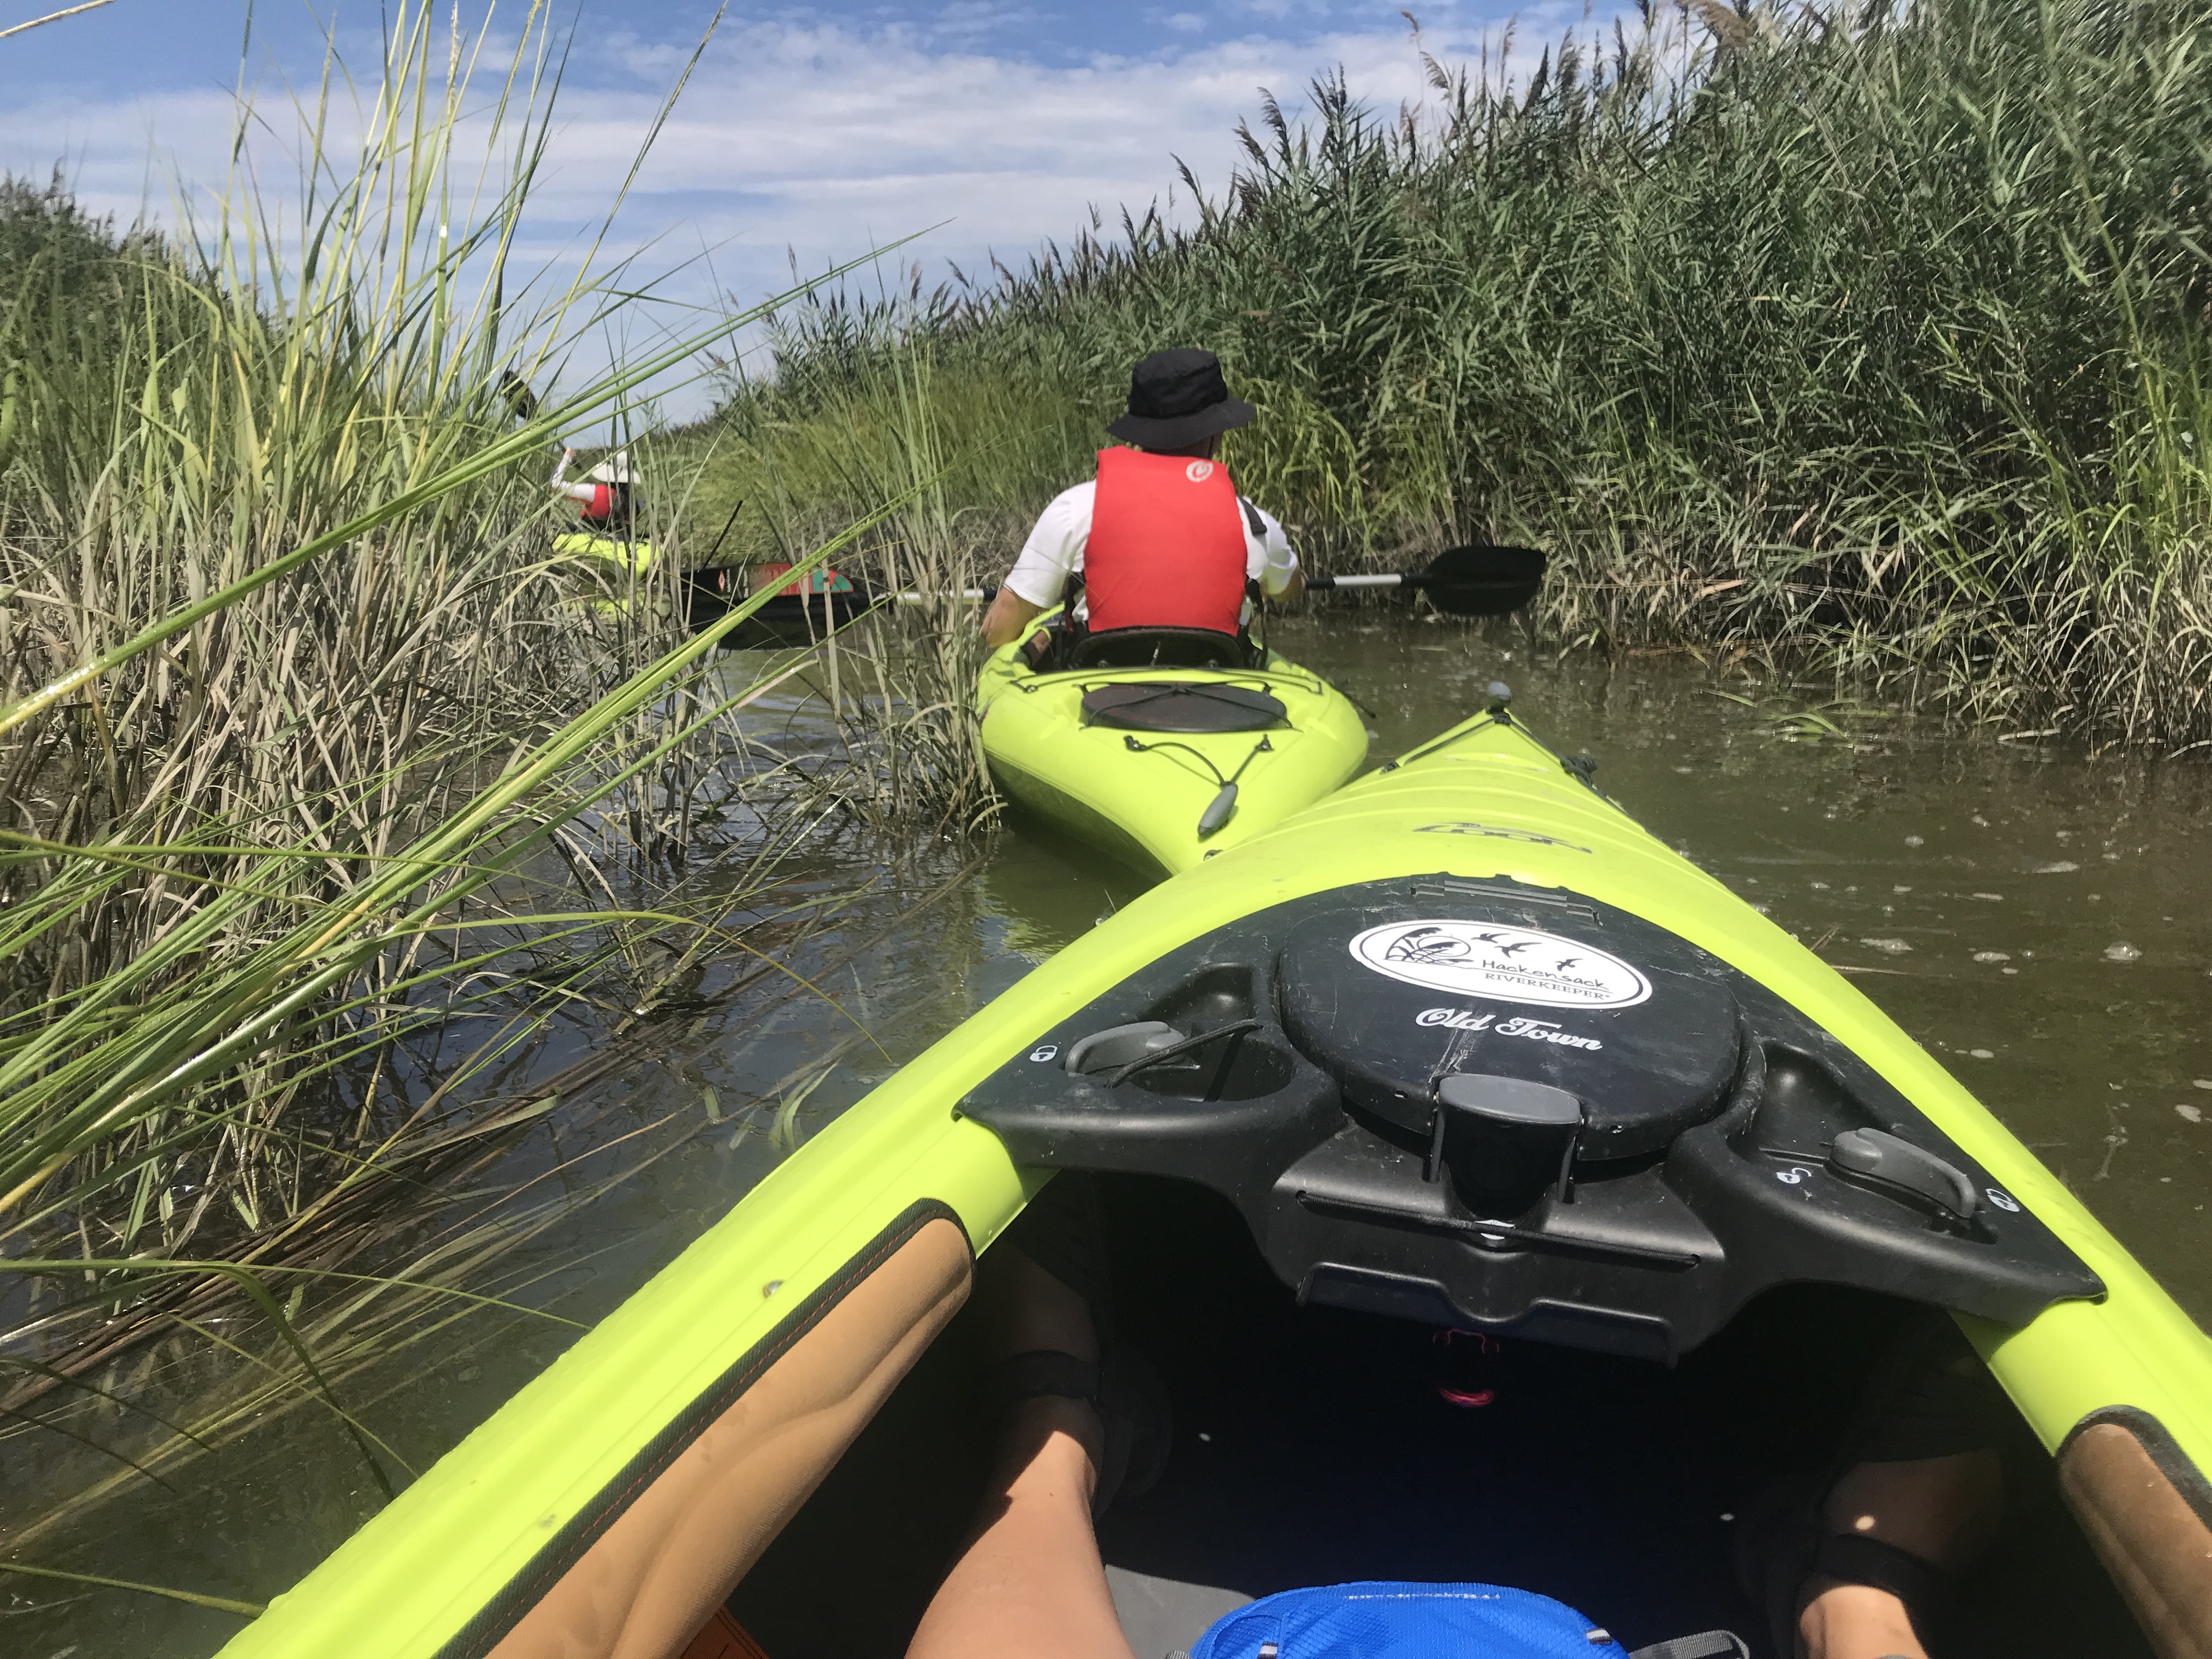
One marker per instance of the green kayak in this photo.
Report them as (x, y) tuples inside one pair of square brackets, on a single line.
[(1163, 767), (1459, 1055)]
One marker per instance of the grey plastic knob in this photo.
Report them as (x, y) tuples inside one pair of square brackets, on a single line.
[(1877, 1155)]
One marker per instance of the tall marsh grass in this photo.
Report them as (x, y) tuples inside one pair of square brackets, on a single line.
[(1876, 332), (325, 783), (949, 463)]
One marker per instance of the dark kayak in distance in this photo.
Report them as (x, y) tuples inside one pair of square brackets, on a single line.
[(795, 613), (1459, 1048)]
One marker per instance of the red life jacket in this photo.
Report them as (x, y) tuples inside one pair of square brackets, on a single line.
[(1167, 545)]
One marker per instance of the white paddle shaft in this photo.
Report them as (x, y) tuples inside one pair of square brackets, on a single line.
[(1388, 579), (974, 595)]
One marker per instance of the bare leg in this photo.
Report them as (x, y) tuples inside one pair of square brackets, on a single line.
[(1029, 1582), (1943, 1510)]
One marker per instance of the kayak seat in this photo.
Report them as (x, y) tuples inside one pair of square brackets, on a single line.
[(1182, 706), (1160, 647)]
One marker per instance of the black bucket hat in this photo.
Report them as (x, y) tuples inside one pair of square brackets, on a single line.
[(1176, 398)]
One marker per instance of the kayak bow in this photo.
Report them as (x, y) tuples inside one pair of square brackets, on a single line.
[(1463, 1045)]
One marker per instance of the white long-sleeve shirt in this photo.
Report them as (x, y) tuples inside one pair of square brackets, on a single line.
[(1054, 552)]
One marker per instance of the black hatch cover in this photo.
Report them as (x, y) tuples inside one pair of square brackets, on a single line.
[(1390, 1003), (1182, 706), (1564, 1121)]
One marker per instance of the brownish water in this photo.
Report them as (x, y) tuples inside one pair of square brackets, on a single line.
[(2035, 916)]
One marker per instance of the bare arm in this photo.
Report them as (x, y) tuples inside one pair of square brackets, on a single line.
[(1279, 577), (1008, 618)]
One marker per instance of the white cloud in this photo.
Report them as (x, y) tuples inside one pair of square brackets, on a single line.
[(829, 139), (822, 137)]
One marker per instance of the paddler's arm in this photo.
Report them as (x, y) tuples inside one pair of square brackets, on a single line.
[(1048, 557), (1009, 618), (1279, 575)]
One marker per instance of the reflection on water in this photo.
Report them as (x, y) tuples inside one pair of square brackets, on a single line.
[(2035, 917)]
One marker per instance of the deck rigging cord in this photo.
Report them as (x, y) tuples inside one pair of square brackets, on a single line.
[(1121, 1074), (1219, 809)]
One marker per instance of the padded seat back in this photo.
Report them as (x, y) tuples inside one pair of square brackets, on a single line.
[(1160, 647)]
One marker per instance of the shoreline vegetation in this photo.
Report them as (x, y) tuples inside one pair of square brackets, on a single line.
[(348, 826), (1875, 335)]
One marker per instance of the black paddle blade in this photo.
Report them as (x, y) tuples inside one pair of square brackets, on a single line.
[(1481, 582)]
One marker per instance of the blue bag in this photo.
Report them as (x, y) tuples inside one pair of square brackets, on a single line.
[(1429, 1621)]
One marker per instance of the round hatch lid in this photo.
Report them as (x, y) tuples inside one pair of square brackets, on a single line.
[(1624, 1018)]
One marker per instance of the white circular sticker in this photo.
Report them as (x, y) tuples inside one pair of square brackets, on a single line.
[(1199, 471), (1506, 964)]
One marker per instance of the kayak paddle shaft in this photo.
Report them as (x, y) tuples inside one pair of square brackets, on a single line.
[(1461, 581)]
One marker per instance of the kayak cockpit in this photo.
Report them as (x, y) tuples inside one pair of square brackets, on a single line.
[(1312, 1446), (1352, 1138), (1161, 647)]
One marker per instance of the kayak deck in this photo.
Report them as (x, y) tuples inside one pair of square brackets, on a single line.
[(1609, 1473), (1327, 1456), (1140, 792)]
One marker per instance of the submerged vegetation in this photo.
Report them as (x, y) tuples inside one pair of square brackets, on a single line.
[(1877, 332)]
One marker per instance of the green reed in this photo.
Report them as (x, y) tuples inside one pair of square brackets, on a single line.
[(1875, 331), (327, 781), (959, 459)]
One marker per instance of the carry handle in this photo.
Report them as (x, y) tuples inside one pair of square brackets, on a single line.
[(1705, 1644)]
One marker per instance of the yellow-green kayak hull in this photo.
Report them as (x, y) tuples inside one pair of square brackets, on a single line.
[(1139, 796), (480, 1541)]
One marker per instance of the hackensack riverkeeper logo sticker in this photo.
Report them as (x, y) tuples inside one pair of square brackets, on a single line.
[(1504, 965)]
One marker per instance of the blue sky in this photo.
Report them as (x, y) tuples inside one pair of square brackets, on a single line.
[(823, 129)]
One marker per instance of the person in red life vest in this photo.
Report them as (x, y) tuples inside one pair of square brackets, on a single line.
[(1161, 537), (602, 494)]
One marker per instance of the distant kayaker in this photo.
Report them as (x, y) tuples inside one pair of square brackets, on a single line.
[(1160, 538), (603, 495)]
